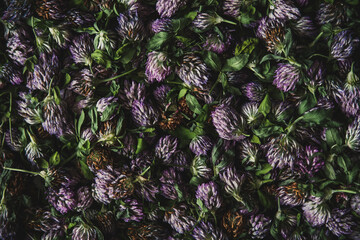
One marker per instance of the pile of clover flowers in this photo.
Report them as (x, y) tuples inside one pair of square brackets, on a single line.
[(170, 119)]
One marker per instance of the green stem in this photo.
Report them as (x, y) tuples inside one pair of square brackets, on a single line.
[(319, 55), (68, 159), (147, 169), (11, 139), (316, 39), (21, 170), (116, 77), (343, 191), (230, 22), (178, 83)]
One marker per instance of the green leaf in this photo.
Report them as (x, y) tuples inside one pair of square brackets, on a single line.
[(308, 103), (193, 104), (333, 137), (158, 40), (179, 23), (179, 192), (263, 199), (329, 171), (108, 112), (94, 119), (54, 159), (140, 145), (317, 116), (182, 93), (42, 163), (288, 42), (67, 78), (195, 181), (247, 46), (255, 139), (352, 174), (216, 151), (184, 133), (127, 56), (265, 168), (264, 132), (212, 60), (342, 164), (80, 122), (86, 171), (236, 63), (270, 57), (265, 105), (119, 125)]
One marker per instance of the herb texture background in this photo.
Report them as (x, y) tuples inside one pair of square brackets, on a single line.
[(179, 119)]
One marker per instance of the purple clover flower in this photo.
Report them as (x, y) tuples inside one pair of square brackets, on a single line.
[(144, 114), (204, 21), (201, 145), (343, 45), (282, 151), (45, 73), (83, 232), (193, 71), (232, 8), (133, 209), (352, 138), (156, 67), (304, 26), (180, 160), (81, 49), (340, 222), (130, 27), (286, 77), (161, 25), (130, 92), (168, 179), (254, 91), (284, 10), (207, 231), (315, 211), (355, 203), (111, 184), (84, 198), (317, 73), (215, 44), (63, 199), (105, 102), (11, 73), (259, 226), (208, 193), (331, 13), (55, 118), (79, 18), (167, 8), (291, 195), (19, 46), (160, 94), (148, 191), (312, 162), (233, 182), (228, 123), (166, 147), (82, 83), (199, 168), (179, 220)]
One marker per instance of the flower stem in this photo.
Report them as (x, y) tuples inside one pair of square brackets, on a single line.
[(230, 22), (116, 77), (21, 170), (343, 191)]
